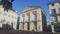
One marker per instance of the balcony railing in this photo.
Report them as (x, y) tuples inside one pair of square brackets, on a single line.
[(58, 14), (55, 14), (30, 21)]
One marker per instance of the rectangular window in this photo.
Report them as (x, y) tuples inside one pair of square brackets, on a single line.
[(53, 11), (52, 4), (55, 19), (28, 21), (23, 18), (29, 18), (35, 17)]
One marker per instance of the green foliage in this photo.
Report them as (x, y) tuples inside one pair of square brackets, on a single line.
[(6, 4)]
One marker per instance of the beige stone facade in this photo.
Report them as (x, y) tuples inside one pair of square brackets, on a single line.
[(54, 8), (9, 17), (32, 18)]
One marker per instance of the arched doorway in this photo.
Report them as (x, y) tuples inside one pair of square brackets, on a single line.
[(7, 26)]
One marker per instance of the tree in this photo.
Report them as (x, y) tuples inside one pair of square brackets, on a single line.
[(7, 4)]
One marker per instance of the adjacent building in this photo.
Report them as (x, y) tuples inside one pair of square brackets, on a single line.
[(8, 19), (1, 14), (33, 18), (54, 8)]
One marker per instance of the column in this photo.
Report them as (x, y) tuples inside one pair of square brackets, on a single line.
[(26, 21), (32, 26)]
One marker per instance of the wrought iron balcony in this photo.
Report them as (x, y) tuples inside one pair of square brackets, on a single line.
[(52, 14), (21, 22), (58, 14), (26, 21)]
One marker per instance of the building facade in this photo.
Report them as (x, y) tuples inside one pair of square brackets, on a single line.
[(1, 15), (8, 19), (32, 18), (54, 8)]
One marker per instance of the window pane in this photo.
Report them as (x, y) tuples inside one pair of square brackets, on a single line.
[(35, 17), (52, 4), (54, 19), (53, 12), (29, 18)]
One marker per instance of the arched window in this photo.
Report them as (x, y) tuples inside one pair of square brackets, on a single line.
[(28, 13), (35, 15), (34, 12)]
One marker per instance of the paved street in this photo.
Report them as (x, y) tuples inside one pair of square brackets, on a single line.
[(22, 32)]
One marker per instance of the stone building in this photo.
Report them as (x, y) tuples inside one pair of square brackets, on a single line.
[(33, 18), (8, 19), (54, 8)]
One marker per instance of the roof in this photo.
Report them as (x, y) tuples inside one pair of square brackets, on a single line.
[(54, 2), (14, 11), (28, 8), (33, 8)]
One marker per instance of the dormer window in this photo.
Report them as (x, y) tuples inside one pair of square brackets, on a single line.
[(53, 11), (52, 4)]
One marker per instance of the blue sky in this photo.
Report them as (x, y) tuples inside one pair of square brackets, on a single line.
[(19, 5)]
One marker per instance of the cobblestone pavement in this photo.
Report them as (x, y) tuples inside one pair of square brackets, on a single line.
[(23, 32)]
